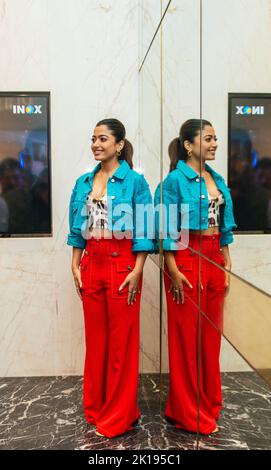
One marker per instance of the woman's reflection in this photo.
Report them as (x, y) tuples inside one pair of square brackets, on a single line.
[(194, 188)]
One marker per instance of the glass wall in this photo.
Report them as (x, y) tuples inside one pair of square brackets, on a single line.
[(193, 57), (149, 136)]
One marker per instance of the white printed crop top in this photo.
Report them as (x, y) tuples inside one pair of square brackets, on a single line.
[(97, 211), (214, 204)]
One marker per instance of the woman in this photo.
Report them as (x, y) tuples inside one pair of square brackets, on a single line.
[(195, 283), (106, 228)]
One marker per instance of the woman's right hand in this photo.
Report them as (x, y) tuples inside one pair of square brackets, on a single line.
[(177, 280), (77, 280)]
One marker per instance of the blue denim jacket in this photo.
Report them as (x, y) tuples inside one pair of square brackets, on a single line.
[(184, 188), (128, 194)]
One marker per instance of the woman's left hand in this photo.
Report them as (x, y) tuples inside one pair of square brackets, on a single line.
[(227, 277), (133, 286), (227, 266)]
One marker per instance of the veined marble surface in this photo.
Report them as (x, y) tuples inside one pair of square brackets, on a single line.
[(231, 62), (46, 413), (87, 54)]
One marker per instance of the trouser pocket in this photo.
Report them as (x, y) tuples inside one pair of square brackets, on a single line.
[(119, 271)]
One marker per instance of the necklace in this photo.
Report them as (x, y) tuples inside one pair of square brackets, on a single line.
[(98, 197)]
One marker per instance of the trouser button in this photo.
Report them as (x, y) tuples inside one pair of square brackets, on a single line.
[(114, 254)]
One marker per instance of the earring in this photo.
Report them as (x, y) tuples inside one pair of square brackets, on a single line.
[(189, 153), (118, 153)]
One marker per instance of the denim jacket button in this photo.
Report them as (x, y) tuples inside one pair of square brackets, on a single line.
[(202, 196), (112, 180), (113, 197), (114, 254), (197, 180)]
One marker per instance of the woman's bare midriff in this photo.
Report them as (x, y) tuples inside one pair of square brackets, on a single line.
[(106, 233), (208, 231)]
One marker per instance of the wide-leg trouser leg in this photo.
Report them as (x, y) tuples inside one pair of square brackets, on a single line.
[(183, 323), (191, 407), (120, 408), (182, 343), (96, 340), (212, 327), (112, 338)]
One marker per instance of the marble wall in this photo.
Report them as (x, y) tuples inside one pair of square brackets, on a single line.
[(234, 50), (87, 54), (234, 58)]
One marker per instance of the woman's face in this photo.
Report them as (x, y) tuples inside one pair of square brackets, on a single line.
[(103, 144), (204, 145)]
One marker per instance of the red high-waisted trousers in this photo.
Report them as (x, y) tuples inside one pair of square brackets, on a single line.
[(112, 336), (183, 323)]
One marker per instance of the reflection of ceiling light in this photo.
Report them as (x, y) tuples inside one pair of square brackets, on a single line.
[(88, 168), (138, 168)]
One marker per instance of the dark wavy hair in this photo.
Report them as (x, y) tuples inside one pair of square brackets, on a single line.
[(118, 130), (189, 130)]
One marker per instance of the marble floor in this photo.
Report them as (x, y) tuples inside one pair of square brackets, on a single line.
[(46, 413)]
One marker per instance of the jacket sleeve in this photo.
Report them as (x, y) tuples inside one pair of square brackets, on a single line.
[(226, 238), (75, 238), (143, 219), (157, 206), (167, 218), (228, 222)]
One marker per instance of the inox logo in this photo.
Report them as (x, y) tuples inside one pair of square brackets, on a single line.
[(249, 110), (29, 109)]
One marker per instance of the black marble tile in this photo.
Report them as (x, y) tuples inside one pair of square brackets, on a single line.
[(46, 413)]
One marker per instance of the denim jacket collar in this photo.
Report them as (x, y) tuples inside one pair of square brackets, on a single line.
[(120, 172), (191, 174)]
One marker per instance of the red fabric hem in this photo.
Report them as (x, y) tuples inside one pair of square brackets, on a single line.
[(110, 435), (194, 431)]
